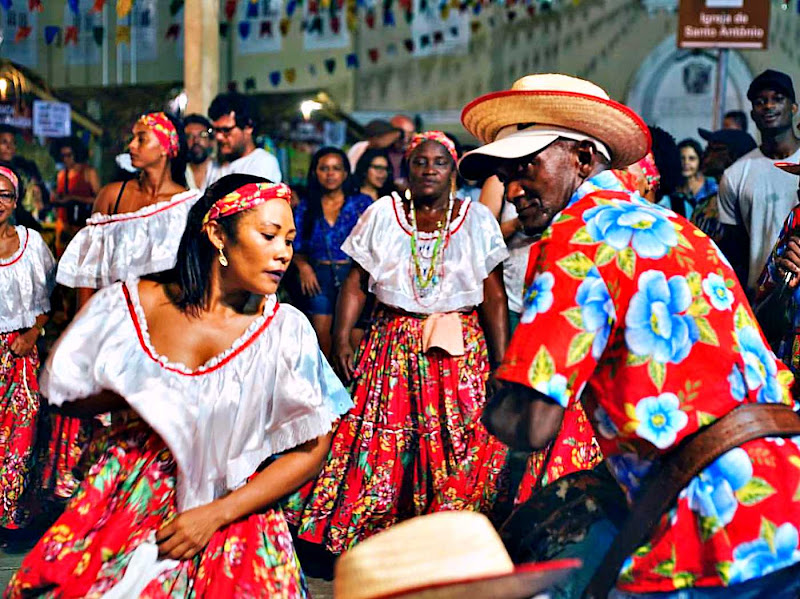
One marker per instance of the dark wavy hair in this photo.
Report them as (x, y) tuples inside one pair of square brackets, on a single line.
[(21, 216), (694, 144), (362, 166), (314, 190), (177, 165), (192, 271), (79, 150)]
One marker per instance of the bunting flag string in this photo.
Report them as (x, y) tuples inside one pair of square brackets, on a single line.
[(23, 32), (124, 8), (51, 33), (71, 36), (173, 32)]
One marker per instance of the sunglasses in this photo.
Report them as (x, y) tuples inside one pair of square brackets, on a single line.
[(224, 130)]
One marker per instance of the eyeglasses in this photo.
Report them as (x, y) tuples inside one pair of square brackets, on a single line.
[(206, 134), (224, 130), (440, 163), (8, 198), (379, 167)]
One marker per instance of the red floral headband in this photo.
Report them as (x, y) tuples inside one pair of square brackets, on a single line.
[(439, 136), (9, 174), (164, 131), (246, 197)]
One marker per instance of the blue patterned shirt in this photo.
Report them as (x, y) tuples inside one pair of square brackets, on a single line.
[(325, 241)]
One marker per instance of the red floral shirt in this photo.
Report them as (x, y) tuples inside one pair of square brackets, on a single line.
[(634, 312)]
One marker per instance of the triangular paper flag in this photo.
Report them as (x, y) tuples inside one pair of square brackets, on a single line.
[(230, 9), (50, 33), (275, 78), (123, 34), (35, 5), (124, 8), (290, 75), (266, 29), (71, 36), (291, 7), (175, 6), (409, 44), (373, 54), (223, 30), (244, 29), (23, 31), (249, 84), (284, 26), (252, 9), (335, 24), (352, 61), (173, 31), (74, 6), (98, 6), (97, 34), (330, 65)]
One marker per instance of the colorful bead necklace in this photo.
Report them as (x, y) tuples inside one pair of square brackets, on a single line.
[(425, 281)]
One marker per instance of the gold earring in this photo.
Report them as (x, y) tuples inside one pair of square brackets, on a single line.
[(222, 259)]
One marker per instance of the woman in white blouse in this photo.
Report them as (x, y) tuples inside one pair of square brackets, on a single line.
[(27, 271), (414, 442), (207, 379)]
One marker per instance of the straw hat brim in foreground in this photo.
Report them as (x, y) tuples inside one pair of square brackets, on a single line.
[(524, 582), (790, 167), (622, 130)]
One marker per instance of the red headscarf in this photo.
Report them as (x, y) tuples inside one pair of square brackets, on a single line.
[(164, 131), (246, 197), (439, 136)]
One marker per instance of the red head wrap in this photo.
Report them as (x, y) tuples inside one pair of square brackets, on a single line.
[(246, 197), (439, 136), (9, 174), (164, 131)]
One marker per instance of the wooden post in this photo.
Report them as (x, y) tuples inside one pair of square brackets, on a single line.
[(200, 53)]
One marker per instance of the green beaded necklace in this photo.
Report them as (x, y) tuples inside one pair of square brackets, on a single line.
[(442, 231)]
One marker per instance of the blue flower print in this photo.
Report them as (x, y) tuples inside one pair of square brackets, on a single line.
[(555, 388), (538, 297), (760, 370), (654, 323), (644, 228), (736, 380), (711, 493), (660, 419), (721, 297), (597, 310), (754, 559)]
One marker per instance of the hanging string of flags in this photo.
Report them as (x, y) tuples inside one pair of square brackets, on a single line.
[(316, 18)]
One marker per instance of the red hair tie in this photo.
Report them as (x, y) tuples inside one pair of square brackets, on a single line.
[(246, 197)]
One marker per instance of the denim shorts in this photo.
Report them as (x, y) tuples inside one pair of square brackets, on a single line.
[(324, 303)]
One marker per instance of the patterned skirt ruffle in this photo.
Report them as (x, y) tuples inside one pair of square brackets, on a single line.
[(62, 455), (126, 497), (19, 412), (412, 444)]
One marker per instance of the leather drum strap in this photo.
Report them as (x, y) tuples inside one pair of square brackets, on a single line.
[(695, 453)]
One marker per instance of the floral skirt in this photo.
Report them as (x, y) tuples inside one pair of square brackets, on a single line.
[(412, 444), (126, 497), (68, 438), (19, 412)]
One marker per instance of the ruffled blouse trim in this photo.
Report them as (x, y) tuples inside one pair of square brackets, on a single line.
[(402, 219), (26, 281), (23, 245), (139, 243), (258, 326), (176, 200)]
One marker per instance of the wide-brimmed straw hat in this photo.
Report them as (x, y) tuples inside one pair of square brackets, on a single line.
[(441, 556), (554, 101), (790, 167)]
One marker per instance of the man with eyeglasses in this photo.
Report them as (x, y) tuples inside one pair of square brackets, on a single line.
[(200, 167), (234, 130)]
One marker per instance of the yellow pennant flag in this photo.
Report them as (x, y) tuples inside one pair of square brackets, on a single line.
[(124, 8), (123, 34)]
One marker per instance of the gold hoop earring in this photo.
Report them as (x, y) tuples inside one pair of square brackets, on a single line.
[(222, 259)]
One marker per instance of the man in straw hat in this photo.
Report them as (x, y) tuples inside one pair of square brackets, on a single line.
[(447, 555), (634, 313)]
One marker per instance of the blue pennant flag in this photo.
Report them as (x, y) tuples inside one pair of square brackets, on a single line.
[(74, 6), (275, 78), (50, 33), (244, 29)]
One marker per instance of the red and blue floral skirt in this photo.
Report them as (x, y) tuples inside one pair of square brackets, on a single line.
[(412, 444), (19, 412), (126, 497)]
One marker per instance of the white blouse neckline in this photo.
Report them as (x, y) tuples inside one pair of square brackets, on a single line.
[(131, 290), (17, 254), (402, 218)]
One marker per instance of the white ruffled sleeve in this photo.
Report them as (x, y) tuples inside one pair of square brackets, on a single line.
[(117, 247), (487, 238), (361, 244), (26, 281), (74, 370)]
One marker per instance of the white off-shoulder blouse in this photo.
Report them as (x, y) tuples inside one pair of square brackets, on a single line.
[(271, 391), (381, 243), (27, 278), (115, 247)]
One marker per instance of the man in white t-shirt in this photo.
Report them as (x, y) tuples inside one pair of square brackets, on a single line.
[(752, 195), (236, 151)]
